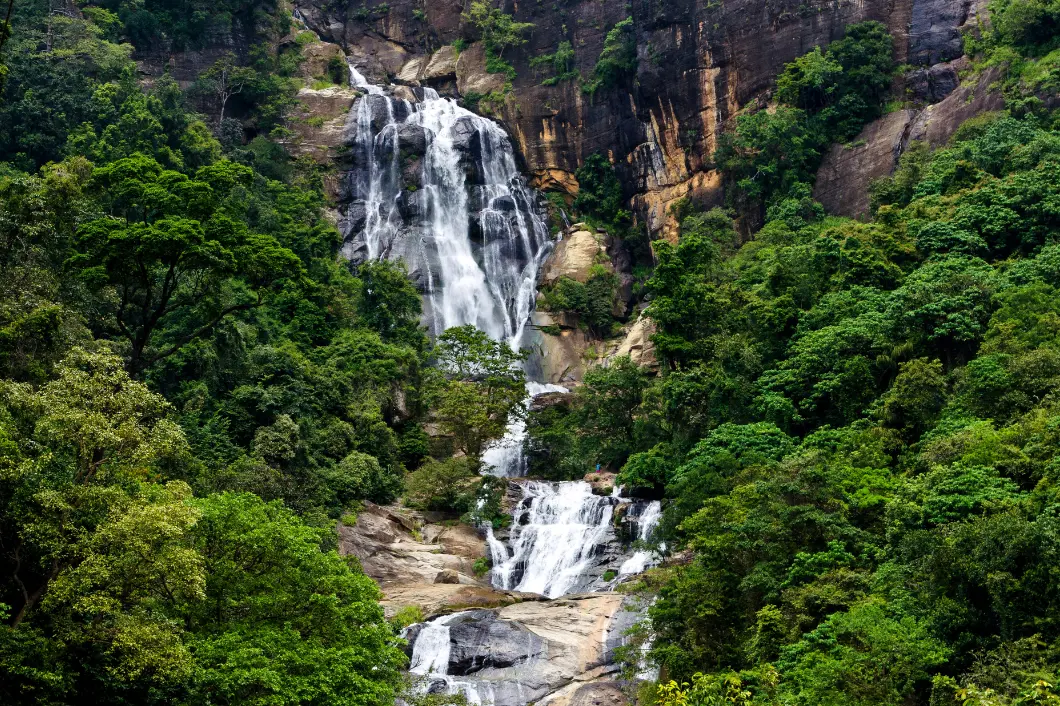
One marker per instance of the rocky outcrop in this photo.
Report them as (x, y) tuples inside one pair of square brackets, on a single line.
[(637, 344), (575, 254), (317, 122), (419, 563), (530, 651), (700, 61), (847, 171), (565, 355)]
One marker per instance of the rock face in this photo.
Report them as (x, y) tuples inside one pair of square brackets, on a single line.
[(847, 171), (526, 652), (699, 62), (574, 256), (430, 572)]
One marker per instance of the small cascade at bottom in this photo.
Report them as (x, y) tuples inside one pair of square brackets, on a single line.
[(647, 521)]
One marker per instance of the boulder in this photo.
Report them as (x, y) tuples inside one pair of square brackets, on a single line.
[(572, 257), (316, 59), (637, 344), (480, 640), (383, 540), (471, 74), (523, 652), (442, 64)]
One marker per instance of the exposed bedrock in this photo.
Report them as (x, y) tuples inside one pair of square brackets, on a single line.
[(699, 63), (555, 651)]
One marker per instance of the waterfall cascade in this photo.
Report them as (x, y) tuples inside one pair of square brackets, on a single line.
[(558, 529), (647, 520), (438, 186)]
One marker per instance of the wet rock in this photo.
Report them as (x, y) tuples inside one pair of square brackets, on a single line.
[(466, 139), (937, 123), (932, 84), (934, 30), (412, 139), (505, 204), (356, 216), (479, 640)]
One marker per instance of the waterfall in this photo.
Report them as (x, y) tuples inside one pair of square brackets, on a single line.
[(438, 186), (430, 659), (647, 521), (559, 529), (505, 458)]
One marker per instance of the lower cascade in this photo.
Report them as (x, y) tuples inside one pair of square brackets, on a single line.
[(558, 530)]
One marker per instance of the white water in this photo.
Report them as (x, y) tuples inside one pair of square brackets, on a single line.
[(566, 524), (505, 458), (430, 659), (489, 283), (470, 184), (647, 521)]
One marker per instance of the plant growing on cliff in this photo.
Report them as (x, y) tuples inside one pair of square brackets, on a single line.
[(499, 31), (600, 192), (618, 59), (824, 98), (561, 62), (593, 302)]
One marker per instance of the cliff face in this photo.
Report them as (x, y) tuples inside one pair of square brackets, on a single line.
[(699, 62)]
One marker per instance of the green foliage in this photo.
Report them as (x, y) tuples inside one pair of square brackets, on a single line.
[(123, 587), (450, 485), (480, 389), (561, 62), (499, 32), (853, 431), (824, 97), (600, 193), (593, 302), (408, 615), (618, 59)]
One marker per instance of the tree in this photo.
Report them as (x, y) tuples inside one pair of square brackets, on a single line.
[(71, 446), (225, 78), (499, 30), (482, 390), (389, 302), (284, 621), (168, 251)]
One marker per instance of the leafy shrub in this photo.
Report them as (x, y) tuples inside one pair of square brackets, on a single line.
[(618, 59)]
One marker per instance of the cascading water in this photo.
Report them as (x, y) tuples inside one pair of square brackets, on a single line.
[(438, 186), (559, 529), (647, 521), (505, 458)]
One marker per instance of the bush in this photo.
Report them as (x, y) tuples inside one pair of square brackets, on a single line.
[(447, 486), (617, 61), (600, 193)]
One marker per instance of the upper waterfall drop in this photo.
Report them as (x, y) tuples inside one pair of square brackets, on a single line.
[(438, 186)]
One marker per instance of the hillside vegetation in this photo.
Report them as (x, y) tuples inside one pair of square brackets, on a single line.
[(855, 428)]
